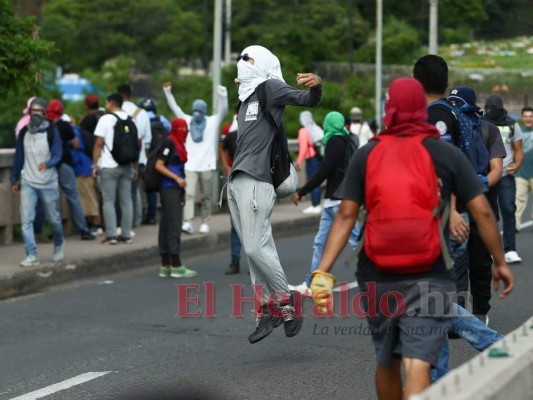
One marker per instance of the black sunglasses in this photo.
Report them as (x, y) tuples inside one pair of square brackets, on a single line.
[(244, 57)]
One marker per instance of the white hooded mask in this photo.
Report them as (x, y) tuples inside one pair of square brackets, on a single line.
[(266, 66)]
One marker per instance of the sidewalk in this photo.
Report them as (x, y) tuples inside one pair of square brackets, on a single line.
[(85, 259)]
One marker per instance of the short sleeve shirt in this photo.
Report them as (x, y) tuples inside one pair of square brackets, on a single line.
[(453, 169), (167, 152)]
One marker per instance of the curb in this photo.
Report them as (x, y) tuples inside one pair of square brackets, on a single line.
[(27, 282)]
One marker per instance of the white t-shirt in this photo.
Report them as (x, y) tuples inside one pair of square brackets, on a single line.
[(142, 121), (106, 129), (201, 156), (363, 131)]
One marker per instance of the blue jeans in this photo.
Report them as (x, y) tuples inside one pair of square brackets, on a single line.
[(29, 196), (115, 180), (460, 257), (67, 182), (507, 202), (475, 332), (235, 243), (38, 222), (311, 166), (151, 205), (326, 220)]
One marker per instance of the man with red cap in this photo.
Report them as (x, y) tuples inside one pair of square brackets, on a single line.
[(413, 329), (92, 106)]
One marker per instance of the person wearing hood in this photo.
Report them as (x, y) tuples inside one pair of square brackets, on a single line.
[(23, 121), (251, 193), (414, 339), (65, 169), (202, 146), (359, 127), (511, 134), (339, 148), (144, 129), (38, 151), (171, 159), (310, 153)]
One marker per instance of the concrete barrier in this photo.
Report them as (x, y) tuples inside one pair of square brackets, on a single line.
[(502, 372)]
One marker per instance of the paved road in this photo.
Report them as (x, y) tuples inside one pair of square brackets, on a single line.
[(125, 328)]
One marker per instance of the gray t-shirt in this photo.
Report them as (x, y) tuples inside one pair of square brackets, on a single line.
[(36, 151), (508, 142), (255, 134)]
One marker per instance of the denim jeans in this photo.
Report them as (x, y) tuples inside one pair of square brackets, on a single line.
[(475, 332), (115, 180), (507, 202), (29, 197), (460, 257), (151, 205), (326, 220), (311, 166), (38, 223), (67, 182)]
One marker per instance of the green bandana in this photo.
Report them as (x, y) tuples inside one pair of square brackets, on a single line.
[(334, 126)]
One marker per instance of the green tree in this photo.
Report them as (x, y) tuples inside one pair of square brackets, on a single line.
[(22, 53), (150, 32)]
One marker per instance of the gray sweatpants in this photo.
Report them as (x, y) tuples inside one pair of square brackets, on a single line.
[(251, 202)]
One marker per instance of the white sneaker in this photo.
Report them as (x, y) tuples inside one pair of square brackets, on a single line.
[(118, 231), (312, 210), (59, 255), (204, 228), (302, 288), (512, 257), (187, 228), (29, 261)]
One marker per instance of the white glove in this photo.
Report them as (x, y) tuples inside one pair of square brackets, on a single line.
[(222, 91)]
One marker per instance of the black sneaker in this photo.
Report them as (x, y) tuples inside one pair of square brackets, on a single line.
[(292, 315), (233, 268), (265, 324), (87, 236)]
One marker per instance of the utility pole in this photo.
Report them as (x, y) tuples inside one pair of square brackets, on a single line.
[(379, 35), (217, 50), (350, 34), (433, 26), (227, 35)]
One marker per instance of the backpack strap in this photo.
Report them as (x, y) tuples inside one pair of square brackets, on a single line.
[(261, 96), (444, 211), (136, 112)]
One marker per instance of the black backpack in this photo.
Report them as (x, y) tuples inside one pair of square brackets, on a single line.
[(126, 144), (159, 132), (152, 178)]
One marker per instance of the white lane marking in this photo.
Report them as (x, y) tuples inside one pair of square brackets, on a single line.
[(351, 285), (77, 380)]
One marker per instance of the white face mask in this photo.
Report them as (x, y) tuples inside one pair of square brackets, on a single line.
[(246, 72)]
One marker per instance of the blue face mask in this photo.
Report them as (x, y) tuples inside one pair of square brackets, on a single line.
[(197, 127)]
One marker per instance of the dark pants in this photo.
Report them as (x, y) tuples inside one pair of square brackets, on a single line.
[(460, 274), (480, 269), (151, 209), (171, 220), (235, 244), (506, 201), (311, 167)]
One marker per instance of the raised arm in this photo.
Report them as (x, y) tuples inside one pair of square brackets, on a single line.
[(171, 101)]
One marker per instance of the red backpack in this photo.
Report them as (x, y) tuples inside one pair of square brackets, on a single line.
[(403, 232)]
